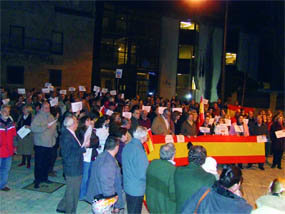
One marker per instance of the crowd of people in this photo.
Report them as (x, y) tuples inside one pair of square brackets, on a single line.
[(101, 146)]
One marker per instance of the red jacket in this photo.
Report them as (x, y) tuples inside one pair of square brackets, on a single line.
[(7, 134)]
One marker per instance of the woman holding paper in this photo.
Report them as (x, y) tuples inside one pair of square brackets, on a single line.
[(189, 127), (25, 144), (277, 141)]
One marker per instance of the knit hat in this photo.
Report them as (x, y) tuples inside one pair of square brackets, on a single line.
[(210, 166)]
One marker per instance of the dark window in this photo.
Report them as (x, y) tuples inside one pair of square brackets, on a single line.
[(16, 37), (57, 42), (55, 77), (15, 74)]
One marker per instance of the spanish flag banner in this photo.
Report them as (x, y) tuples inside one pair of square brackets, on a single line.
[(225, 149)]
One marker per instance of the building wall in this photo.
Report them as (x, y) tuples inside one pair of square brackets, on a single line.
[(168, 57)]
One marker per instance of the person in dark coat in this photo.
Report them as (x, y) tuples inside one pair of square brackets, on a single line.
[(135, 120), (223, 197), (72, 161), (277, 143)]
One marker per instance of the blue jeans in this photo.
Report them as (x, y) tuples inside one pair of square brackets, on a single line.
[(5, 166), (85, 179)]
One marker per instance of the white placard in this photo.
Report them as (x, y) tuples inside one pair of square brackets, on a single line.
[(217, 118), (261, 138), (280, 134), (177, 109), (122, 96), (169, 139), (204, 129), (245, 121), (113, 92), (161, 109), (45, 90), (52, 122), (228, 122), (180, 138), (238, 129), (21, 91), (119, 73), (51, 88), (146, 108), (47, 84), (76, 106), (221, 130), (62, 92), (87, 136), (96, 88), (23, 132), (205, 101), (54, 101), (6, 101), (104, 90), (127, 115), (82, 88), (211, 121), (109, 112), (71, 89)]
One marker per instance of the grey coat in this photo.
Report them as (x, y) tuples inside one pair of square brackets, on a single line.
[(105, 179)]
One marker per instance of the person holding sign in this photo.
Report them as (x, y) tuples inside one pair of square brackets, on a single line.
[(161, 124), (7, 145), (25, 145), (277, 143), (189, 127)]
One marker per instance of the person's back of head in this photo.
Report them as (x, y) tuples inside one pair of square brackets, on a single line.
[(111, 143), (230, 176), (167, 151), (277, 187), (197, 155)]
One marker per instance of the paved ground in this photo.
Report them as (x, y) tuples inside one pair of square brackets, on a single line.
[(20, 201)]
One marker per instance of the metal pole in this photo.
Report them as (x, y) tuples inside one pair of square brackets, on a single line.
[(224, 53)]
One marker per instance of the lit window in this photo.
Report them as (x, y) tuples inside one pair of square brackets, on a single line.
[(186, 52), (231, 58), (187, 25)]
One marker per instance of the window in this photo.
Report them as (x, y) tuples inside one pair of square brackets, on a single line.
[(57, 42), (231, 58), (15, 74), (55, 77), (186, 51), (16, 37), (187, 25)]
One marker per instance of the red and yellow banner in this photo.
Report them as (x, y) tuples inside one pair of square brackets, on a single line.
[(225, 149)]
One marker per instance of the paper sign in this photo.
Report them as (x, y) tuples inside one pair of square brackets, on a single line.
[(228, 122), (169, 139), (51, 88), (52, 122), (45, 90), (146, 108), (87, 136), (127, 115), (238, 129), (109, 112), (22, 132), (62, 92), (180, 138), (261, 139), (82, 88), (21, 91), (204, 129), (161, 109), (96, 88), (280, 134), (104, 90), (177, 109), (211, 121), (6, 101), (76, 106), (205, 101), (113, 92), (119, 73), (122, 96), (222, 130), (245, 121), (217, 118), (71, 89), (54, 101), (47, 84)]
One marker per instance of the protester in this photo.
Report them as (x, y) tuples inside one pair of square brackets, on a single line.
[(7, 145), (223, 197), (102, 131), (72, 161), (175, 116), (160, 190), (134, 119), (44, 129), (161, 124), (25, 145), (210, 166), (189, 179), (189, 127), (135, 163), (144, 120)]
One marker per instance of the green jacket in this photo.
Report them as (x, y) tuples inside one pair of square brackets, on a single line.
[(188, 180), (160, 192)]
